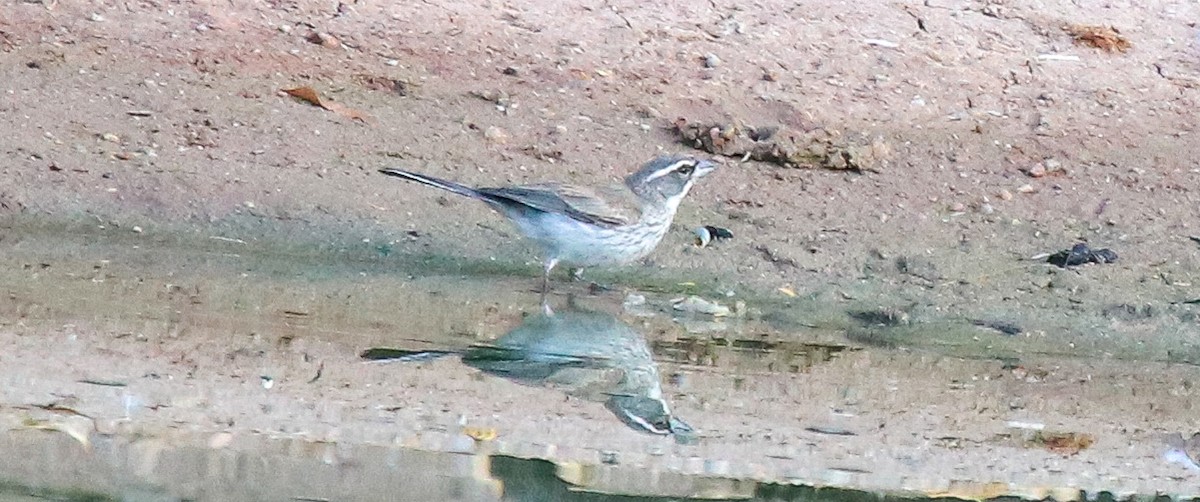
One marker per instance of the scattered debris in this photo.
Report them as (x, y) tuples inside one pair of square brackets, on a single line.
[(309, 95), (921, 268), (323, 39), (226, 239), (832, 431), (1017, 424), (381, 354), (320, 369), (61, 410), (1080, 254), (1048, 167), (495, 96), (695, 304), (481, 434), (103, 383), (496, 135), (1066, 443), (201, 134), (1106, 38), (1004, 327), (1057, 57), (79, 427), (385, 84), (775, 257), (1129, 312), (829, 149), (883, 316), (708, 233), (1030, 375), (1035, 435), (879, 42), (543, 154), (789, 292)]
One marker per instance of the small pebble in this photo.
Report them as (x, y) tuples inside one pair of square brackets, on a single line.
[(324, 40), (495, 135), (1026, 188), (97, 18), (711, 61), (634, 299), (1005, 195), (110, 137), (699, 305)]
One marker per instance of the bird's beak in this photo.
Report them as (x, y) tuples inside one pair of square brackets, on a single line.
[(704, 167), (649, 415)]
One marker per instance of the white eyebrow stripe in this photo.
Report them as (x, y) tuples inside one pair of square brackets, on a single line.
[(669, 169)]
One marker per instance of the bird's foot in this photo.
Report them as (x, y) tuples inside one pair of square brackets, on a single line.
[(595, 288)]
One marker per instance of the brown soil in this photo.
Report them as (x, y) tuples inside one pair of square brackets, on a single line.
[(165, 205)]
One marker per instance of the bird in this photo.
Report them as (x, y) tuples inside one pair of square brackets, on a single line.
[(584, 226), (588, 354)]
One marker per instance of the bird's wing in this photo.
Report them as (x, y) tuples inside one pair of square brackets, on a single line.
[(611, 207)]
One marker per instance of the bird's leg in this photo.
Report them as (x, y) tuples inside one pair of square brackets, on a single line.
[(547, 267)]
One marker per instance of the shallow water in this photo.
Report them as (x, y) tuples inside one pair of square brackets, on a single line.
[(167, 339)]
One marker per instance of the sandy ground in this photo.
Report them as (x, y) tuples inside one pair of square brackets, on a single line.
[(165, 206)]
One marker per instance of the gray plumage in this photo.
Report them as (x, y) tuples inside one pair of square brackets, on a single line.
[(584, 226)]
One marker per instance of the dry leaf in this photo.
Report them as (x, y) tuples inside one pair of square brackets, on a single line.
[(1066, 443), (1101, 37), (78, 427), (481, 433), (310, 95)]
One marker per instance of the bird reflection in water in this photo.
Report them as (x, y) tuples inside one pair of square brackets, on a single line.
[(586, 354)]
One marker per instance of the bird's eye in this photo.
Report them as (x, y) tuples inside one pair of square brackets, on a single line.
[(686, 169)]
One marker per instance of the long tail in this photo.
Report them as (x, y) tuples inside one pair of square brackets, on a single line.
[(435, 182)]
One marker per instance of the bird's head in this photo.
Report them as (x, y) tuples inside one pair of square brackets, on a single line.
[(668, 178)]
